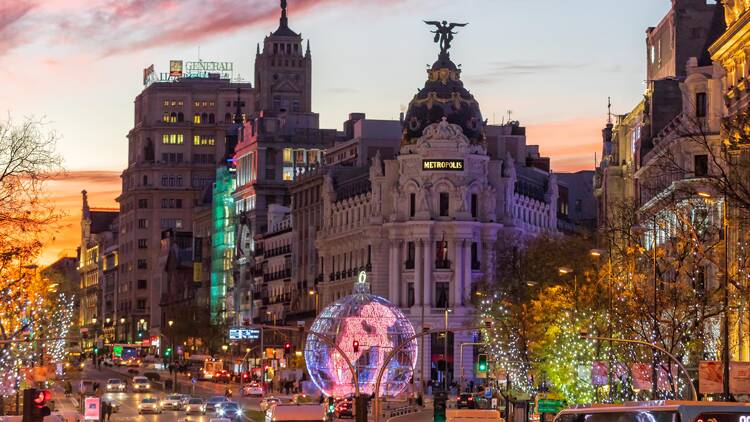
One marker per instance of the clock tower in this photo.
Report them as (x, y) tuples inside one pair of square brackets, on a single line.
[(283, 71)]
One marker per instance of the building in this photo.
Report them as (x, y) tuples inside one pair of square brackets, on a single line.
[(423, 224), (177, 142), (99, 233), (279, 297), (576, 204)]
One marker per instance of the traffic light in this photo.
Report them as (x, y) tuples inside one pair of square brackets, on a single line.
[(287, 347), (482, 363), (167, 351), (331, 405), (96, 350), (355, 345), (35, 404)]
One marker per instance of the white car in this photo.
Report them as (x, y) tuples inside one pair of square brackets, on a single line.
[(141, 384), (115, 385), (195, 405), (173, 402), (149, 405), (252, 389)]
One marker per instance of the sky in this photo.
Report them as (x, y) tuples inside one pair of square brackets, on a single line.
[(551, 64)]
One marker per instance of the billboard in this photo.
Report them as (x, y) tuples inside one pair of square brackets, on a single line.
[(91, 409), (175, 68), (244, 333), (710, 377), (148, 74)]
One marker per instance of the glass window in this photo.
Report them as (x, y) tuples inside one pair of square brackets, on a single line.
[(312, 156), (288, 173), (299, 156), (410, 294), (441, 294), (412, 204), (700, 104), (287, 155), (474, 205), (165, 138), (444, 204), (197, 119), (196, 139)]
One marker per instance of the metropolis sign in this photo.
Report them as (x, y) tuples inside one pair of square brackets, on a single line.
[(443, 165), (242, 333)]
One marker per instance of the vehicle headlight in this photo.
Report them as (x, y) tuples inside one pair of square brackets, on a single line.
[(239, 412), (221, 412), (162, 403), (140, 406), (148, 385)]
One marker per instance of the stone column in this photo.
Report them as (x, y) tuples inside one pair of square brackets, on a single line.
[(427, 262), (458, 263), (466, 288), (399, 273), (418, 273), (393, 284)]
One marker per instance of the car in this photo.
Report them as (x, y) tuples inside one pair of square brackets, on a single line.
[(172, 402), (230, 410), (149, 405), (185, 398), (269, 402), (213, 402), (115, 385), (296, 412), (195, 405), (466, 401), (344, 407), (115, 405), (141, 384), (132, 362), (222, 376), (252, 389)]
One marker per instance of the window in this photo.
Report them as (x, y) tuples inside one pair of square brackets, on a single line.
[(441, 255), (270, 174), (700, 104), (197, 119), (142, 223), (143, 203), (142, 243), (180, 117), (412, 205), (171, 181), (287, 155), (288, 173), (444, 202), (410, 294), (474, 256), (474, 205), (700, 165), (172, 138), (441, 294), (211, 118), (409, 264), (171, 223), (142, 284), (140, 304), (142, 265)]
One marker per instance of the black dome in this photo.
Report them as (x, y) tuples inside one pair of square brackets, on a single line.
[(443, 95)]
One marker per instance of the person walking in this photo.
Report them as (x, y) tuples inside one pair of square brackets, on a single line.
[(108, 409)]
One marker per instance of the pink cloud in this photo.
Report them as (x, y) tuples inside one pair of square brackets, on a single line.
[(571, 143), (12, 23)]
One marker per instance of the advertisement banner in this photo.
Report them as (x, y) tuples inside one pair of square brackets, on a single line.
[(175, 68), (641, 376), (148, 73), (599, 372), (739, 377), (91, 409), (710, 377)]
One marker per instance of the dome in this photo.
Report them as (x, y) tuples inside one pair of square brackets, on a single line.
[(443, 95), (378, 326)]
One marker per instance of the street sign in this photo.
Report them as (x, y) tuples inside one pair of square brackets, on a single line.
[(194, 381), (242, 333), (550, 406), (488, 393)]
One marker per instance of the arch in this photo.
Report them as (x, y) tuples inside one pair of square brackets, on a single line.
[(204, 117), (444, 181)]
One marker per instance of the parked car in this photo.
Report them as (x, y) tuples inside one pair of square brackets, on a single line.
[(195, 405), (344, 408), (172, 402), (269, 402), (185, 399), (252, 389), (230, 410), (141, 383), (213, 402), (115, 385), (466, 401), (149, 405)]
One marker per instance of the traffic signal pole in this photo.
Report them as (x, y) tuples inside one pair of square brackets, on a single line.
[(461, 361)]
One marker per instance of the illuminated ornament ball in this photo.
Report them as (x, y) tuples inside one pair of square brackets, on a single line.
[(378, 326)]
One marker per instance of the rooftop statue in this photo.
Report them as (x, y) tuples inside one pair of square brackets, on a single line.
[(444, 33)]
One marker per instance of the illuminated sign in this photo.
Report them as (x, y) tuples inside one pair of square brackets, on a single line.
[(202, 69), (443, 165), (241, 333), (175, 68)]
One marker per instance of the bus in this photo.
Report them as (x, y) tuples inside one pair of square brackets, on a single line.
[(122, 352)]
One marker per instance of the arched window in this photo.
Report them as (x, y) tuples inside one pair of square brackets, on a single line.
[(180, 117), (228, 118), (211, 118), (197, 119), (173, 117)]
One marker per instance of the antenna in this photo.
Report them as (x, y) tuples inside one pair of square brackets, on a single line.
[(609, 110), (510, 113)]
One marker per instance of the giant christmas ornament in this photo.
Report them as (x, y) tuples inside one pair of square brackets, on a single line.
[(378, 327)]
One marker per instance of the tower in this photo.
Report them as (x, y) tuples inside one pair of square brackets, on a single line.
[(283, 72)]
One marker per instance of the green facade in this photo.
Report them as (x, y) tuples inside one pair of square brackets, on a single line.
[(222, 241)]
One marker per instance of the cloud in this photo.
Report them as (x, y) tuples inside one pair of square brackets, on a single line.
[(571, 143), (509, 69), (13, 23)]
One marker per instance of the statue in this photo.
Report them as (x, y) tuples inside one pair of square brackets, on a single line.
[(444, 33)]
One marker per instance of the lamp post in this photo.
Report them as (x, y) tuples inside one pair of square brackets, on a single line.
[(171, 355), (445, 349), (314, 292), (124, 334)]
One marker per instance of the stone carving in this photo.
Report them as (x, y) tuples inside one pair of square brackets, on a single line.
[(509, 165), (443, 131), (488, 203), (376, 170), (425, 197), (462, 198)]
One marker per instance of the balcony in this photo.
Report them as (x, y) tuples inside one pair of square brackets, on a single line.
[(276, 275), (281, 250), (442, 264)]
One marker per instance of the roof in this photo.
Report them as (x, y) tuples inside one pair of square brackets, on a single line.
[(102, 219)]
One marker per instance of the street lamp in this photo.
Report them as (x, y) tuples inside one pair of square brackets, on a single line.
[(445, 349), (315, 293)]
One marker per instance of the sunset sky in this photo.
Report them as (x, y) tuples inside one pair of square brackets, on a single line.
[(78, 64)]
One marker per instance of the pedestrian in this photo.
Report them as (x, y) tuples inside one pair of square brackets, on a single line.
[(109, 411)]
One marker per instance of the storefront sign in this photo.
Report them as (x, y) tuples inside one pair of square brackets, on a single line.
[(242, 333), (443, 165), (175, 68)]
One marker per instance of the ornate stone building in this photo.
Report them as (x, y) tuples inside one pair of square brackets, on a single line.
[(424, 224)]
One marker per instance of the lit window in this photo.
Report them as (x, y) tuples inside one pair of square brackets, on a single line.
[(288, 173), (165, 117), (287, 155), (165, 138), (197, 119), (196, 140), (166, 103), (179, 139)]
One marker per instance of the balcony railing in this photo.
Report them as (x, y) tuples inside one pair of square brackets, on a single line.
[(286, 273), (281, 250), (442, 264), (409, 264)]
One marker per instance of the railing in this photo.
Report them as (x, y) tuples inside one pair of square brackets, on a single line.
[(277, 275), (278, 251), (443, 264), (409, 264)]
